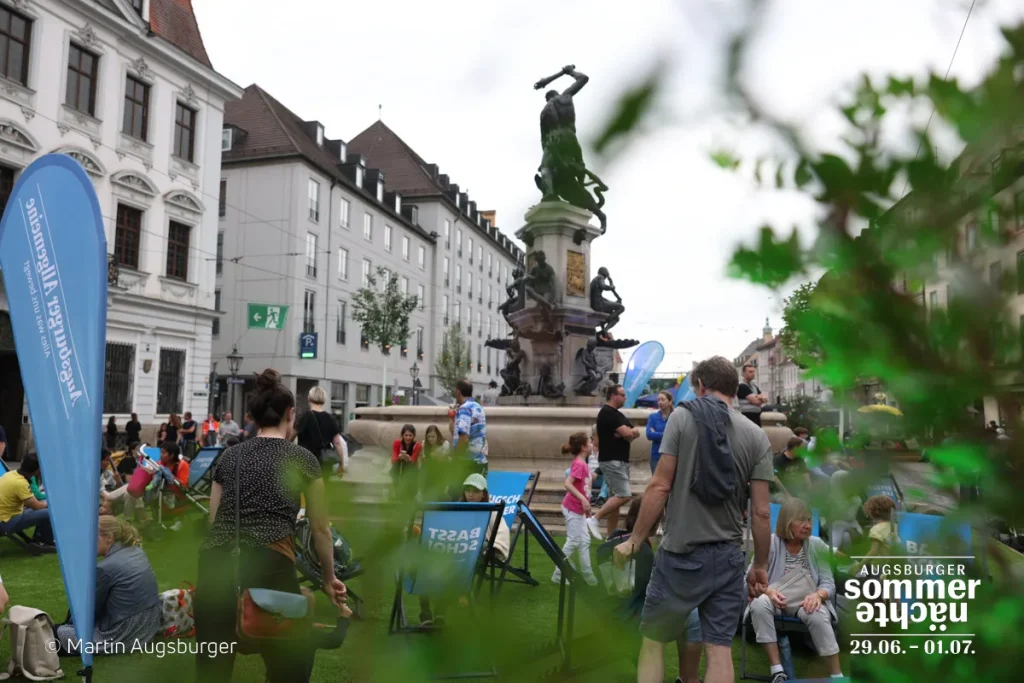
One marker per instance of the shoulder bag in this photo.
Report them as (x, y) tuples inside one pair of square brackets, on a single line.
[(795, 586), (328, 455), (266, 616)]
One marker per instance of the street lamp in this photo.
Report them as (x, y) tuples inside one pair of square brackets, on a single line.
[(414, 372), (234, 363)]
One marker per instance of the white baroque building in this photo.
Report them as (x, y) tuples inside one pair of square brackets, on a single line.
[(126, 88)]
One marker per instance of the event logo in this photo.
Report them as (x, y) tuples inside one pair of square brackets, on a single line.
[(454, 541), (886, 595)]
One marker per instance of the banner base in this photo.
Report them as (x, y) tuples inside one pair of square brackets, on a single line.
[(86, 674)]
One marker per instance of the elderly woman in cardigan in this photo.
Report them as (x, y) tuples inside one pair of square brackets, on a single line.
[(800, 584)]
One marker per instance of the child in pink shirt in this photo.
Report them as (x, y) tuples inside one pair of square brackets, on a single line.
[(576, 509)]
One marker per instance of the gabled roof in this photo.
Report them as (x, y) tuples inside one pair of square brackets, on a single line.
[(175, 22), (749, 350), (268, 129), (405, 169)]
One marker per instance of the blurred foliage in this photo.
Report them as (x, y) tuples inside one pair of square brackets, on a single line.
[(806, 411), (455, 360)]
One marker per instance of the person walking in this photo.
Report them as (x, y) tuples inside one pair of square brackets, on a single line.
[(656, 422), (112, 433), (750, 397), (469, 429), (254, 506), (229, 428), (319, 433), (132, 430), (575, 508), (615, 433), (188, 437), (210, 427), (709, 457)]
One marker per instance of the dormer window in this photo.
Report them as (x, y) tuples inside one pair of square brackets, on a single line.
[(320, 136), (225, 140), (343, 152), (380, 189), (398, 203), (359, 176), (457, 198)]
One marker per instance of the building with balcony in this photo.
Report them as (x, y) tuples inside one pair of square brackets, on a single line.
[(126, 88)]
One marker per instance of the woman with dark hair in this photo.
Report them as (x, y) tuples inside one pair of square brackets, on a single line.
[(173, 425), (254, 504), (111, 433), (132, 429), (405, 455), (656, 422)]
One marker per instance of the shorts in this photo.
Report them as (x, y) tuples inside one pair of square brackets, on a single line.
[(709, 578), (616, 478)]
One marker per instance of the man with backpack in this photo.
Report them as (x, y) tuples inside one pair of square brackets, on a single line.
[(709, 455)]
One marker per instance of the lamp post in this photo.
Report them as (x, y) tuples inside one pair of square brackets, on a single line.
[(414, 372), (234, 362)]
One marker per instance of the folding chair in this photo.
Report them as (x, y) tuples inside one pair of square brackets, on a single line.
[(922, 535), (513, 488), (454, 539), (784, 625), (200, 475)]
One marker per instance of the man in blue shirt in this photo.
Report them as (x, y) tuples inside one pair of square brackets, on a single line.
[(470, 427)]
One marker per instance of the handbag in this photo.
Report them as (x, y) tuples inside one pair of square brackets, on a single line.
[(795, 586), (141, 478), (328, 456), (177, 619), (263, 615)]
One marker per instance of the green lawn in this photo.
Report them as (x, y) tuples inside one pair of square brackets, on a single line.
[(523, 620)]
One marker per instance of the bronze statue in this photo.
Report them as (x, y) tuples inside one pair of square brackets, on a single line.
[(516, 293), (562, 173), (540, 283), (511, 374), (592, 375), (598, 286), (547, 386)]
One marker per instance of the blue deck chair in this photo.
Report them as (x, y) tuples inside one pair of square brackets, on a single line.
[(784, 625), (511, 489), (200, 474), (924, 535), (886, 486), (444, 561)]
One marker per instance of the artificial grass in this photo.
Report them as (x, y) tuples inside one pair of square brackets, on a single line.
[(523, 620)]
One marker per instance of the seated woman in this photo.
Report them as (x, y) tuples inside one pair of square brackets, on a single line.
[(434, 460), (405, 453), (797, 563), (127, 599)]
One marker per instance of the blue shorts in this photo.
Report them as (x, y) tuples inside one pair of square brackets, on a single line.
[(707, 581)]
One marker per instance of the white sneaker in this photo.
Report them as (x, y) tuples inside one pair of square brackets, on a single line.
[(595, 528), (556, 578), (176, 526), (591, 580)]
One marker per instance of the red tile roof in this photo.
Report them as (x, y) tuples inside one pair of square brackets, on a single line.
[(175, 22), (404, 169)]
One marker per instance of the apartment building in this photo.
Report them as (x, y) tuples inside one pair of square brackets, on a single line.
[(127, 89), (304, 221)]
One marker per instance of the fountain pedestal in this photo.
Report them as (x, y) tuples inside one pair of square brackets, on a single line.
[(555, 336)]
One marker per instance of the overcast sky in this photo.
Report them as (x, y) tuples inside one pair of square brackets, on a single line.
[(454, 80)]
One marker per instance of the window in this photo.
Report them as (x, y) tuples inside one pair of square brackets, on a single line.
[(490, 297), (343, 209), (469, 319), (458, 277), (339, 332), (446, 281), (385, 279), (405, 248), (216, 306), (404, 286), (366, 272), (488, 360), (314, 201), (490, 270), (444, 310), (225, 139), (470, 244), (504, 275), (971, 234), (15, 36), (387, 237), (136, 109), (308, 312), (479, 290), (479, 358), (222, 198), (367, 227), (137, 6), (404, 349), (6, 186), (479, 329), (220, 252), (469, 285), (342, 263), (487, 327), (177, 250), (364, 343), (362, 395), (80, 93), (447, 234), (458, 241), (479, 257), (117, 382), (184, 132), (995, 273), (419, 343), (339, 401), (457, 314), (933, 301), (170, 382), (311, 241), (128, 236)]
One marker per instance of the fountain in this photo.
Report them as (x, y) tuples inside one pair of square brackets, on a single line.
[(559, 355)]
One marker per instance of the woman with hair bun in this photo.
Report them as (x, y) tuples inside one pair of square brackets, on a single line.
[(127, 601), (261, 480)]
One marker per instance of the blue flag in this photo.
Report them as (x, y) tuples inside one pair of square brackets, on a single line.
[(53, 252), (642, 364), (685, 392)]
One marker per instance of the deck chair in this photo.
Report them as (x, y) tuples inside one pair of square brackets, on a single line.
[(923, 535), (512, 488), (443, 561), (784, 625), (200, 475)]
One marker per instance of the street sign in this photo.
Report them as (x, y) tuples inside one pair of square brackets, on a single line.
[(267, 316), (307, 345), (236, 380)]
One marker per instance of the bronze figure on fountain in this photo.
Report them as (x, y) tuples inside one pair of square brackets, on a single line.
[(598, 286)]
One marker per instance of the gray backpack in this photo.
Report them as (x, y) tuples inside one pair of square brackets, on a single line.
[(33, 654)]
